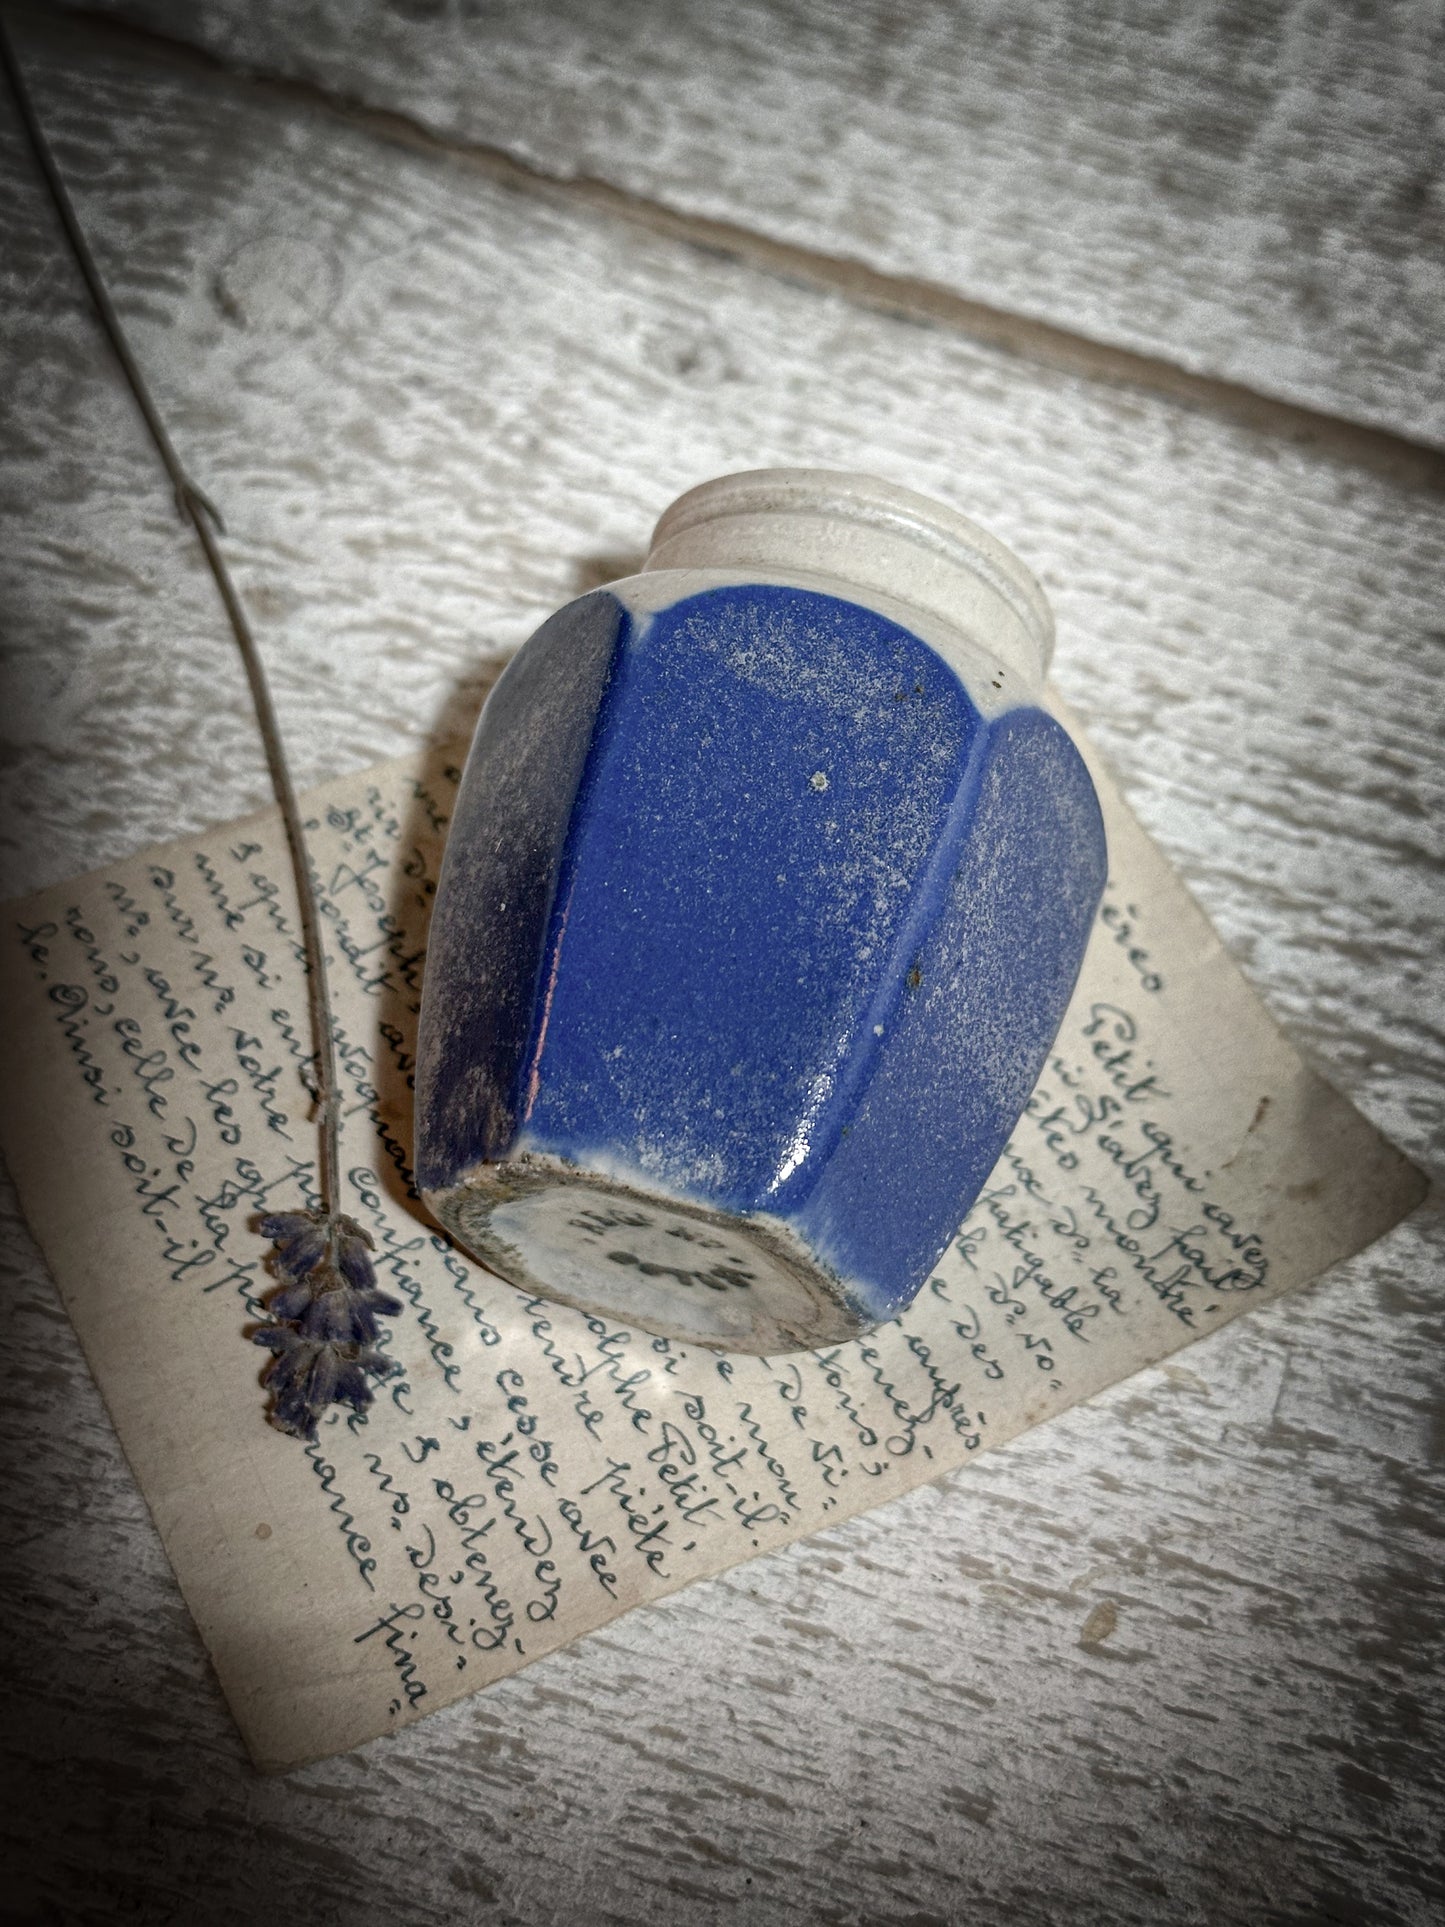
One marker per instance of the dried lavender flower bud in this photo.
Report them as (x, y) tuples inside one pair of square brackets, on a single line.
[(324, 1319), (309, 1374)]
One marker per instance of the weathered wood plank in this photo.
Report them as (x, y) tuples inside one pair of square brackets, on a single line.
[(1253, 190), (1177, 1658)]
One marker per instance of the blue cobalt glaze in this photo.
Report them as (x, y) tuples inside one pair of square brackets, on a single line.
[(759, 915)]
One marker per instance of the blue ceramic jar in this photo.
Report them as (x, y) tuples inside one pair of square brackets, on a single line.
[(768, 885)]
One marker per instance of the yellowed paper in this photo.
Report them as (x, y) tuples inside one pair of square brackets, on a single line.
[(535, 1472)]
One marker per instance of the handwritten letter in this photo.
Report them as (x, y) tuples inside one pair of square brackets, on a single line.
[(533, 1472)]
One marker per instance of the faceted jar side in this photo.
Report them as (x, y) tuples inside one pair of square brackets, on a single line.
[(755, 927)]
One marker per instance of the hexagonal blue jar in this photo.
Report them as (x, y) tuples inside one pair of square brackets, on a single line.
[(767, 888)]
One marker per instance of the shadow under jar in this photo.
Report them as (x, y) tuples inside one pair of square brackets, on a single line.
[(767, 888)]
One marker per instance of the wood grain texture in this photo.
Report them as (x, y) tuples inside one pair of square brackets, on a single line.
[(1254, 189), (1175, 1658)]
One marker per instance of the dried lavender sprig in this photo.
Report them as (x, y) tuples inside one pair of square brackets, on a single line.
[(310, 1371)]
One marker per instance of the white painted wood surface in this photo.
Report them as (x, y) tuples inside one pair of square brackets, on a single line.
[(1249, 188), (1177, 1657)]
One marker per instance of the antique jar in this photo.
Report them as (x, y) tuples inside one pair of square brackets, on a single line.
[(768, 884)]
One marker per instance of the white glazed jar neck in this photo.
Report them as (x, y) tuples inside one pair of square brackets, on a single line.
[(871, 536)]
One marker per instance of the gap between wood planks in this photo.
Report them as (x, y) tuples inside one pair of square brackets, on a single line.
[(1383, 451)]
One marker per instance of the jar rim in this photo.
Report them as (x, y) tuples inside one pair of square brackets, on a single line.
[(883, 507)]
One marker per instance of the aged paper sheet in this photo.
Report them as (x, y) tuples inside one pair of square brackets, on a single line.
[(533, 1472)]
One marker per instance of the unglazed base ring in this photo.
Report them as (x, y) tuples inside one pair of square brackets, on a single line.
[(636, 1257)]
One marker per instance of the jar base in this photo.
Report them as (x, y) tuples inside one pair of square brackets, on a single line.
[(635, 1257)]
